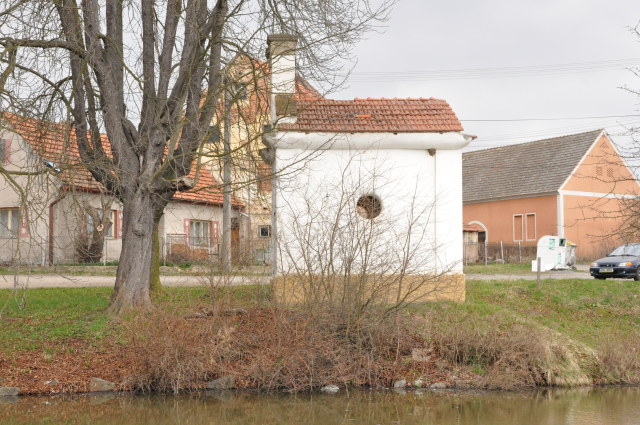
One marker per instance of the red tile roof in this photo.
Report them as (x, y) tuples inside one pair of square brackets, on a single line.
[(472, 228), (55, 142), (374, 116)]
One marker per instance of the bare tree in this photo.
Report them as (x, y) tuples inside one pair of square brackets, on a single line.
[(149, 74), (95, 224)]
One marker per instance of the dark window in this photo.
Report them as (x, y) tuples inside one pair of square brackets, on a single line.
[(369, 206), (264, 231), (9, 222)]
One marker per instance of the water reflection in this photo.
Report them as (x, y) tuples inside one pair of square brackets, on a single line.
[(551, 407)]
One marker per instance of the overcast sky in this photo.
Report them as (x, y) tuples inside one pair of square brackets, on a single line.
[(550, 41)]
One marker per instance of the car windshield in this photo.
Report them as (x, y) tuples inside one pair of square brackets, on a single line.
[(633, 249)]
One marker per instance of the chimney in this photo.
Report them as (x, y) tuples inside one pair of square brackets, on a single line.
[(281, 53)]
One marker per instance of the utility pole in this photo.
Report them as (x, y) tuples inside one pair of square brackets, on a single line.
[(225, 249)]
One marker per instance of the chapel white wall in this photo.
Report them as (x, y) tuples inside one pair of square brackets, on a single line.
[(408, 181)]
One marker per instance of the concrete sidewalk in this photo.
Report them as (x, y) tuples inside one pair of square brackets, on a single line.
[(581, 272), (68, 281), (65, 281)]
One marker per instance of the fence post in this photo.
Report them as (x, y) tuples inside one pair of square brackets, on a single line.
[(538, 260), (501, 252), (163, 247), (519, 253), (486, 260)]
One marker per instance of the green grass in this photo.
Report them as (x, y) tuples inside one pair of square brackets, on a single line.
[(584, 310), (49, 316), (53, 316)]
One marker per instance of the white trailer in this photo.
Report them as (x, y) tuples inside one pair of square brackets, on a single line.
[(555, 253)]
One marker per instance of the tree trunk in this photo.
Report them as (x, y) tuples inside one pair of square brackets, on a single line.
[(132, 279), (154, 275), (226, 192), (96, 247)]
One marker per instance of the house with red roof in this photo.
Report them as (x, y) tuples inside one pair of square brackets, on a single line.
[(364, 187), (574, 186), (248, 113), (50, 205)]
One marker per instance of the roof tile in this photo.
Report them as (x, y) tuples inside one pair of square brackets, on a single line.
[(374, 116), (56, 143), (524, 169)]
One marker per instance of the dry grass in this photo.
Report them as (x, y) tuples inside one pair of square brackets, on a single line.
[(267, 349), (619, 356), (509, 358), (168, 352), (509, 354)]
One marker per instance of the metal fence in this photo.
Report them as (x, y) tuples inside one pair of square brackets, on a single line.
[(483, 252), (179, 248)]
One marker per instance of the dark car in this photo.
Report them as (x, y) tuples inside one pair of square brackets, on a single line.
[(623, 262)]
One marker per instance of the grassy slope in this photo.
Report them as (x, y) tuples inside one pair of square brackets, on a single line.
[(593, 313), (570, 332), (51, 316), (583, 309)]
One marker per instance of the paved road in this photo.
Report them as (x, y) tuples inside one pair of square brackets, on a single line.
[(582, 272), (60, 281), (66, 281), (557, 274)]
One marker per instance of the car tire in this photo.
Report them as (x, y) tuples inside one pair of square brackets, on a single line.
[(637, 276)]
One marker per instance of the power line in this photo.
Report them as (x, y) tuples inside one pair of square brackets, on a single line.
[(494, 72), (495, 140), (550, 119)]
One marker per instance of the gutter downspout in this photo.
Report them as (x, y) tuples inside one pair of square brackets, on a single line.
[(60, 197), (268, 154)]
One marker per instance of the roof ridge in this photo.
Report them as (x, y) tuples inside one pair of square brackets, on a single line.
[(600, 130), (384, 99)]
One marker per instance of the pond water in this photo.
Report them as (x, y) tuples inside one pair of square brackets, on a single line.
[(619, 406)]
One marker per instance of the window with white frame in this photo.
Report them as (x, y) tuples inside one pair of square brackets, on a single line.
[(9, 222), (199, 232), (518, 228), (109, 232), (530, 226), (264, 231)]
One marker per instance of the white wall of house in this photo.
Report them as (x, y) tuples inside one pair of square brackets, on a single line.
[(178, 219), (29, 203), (68, 217), (420, 224), (41, 196), (175, 214)]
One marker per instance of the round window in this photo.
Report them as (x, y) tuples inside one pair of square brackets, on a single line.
[(369, 206)]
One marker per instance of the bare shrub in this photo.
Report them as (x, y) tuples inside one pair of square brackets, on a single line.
[(169, 351), (287, 350), (619, 356), (265, 348)]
